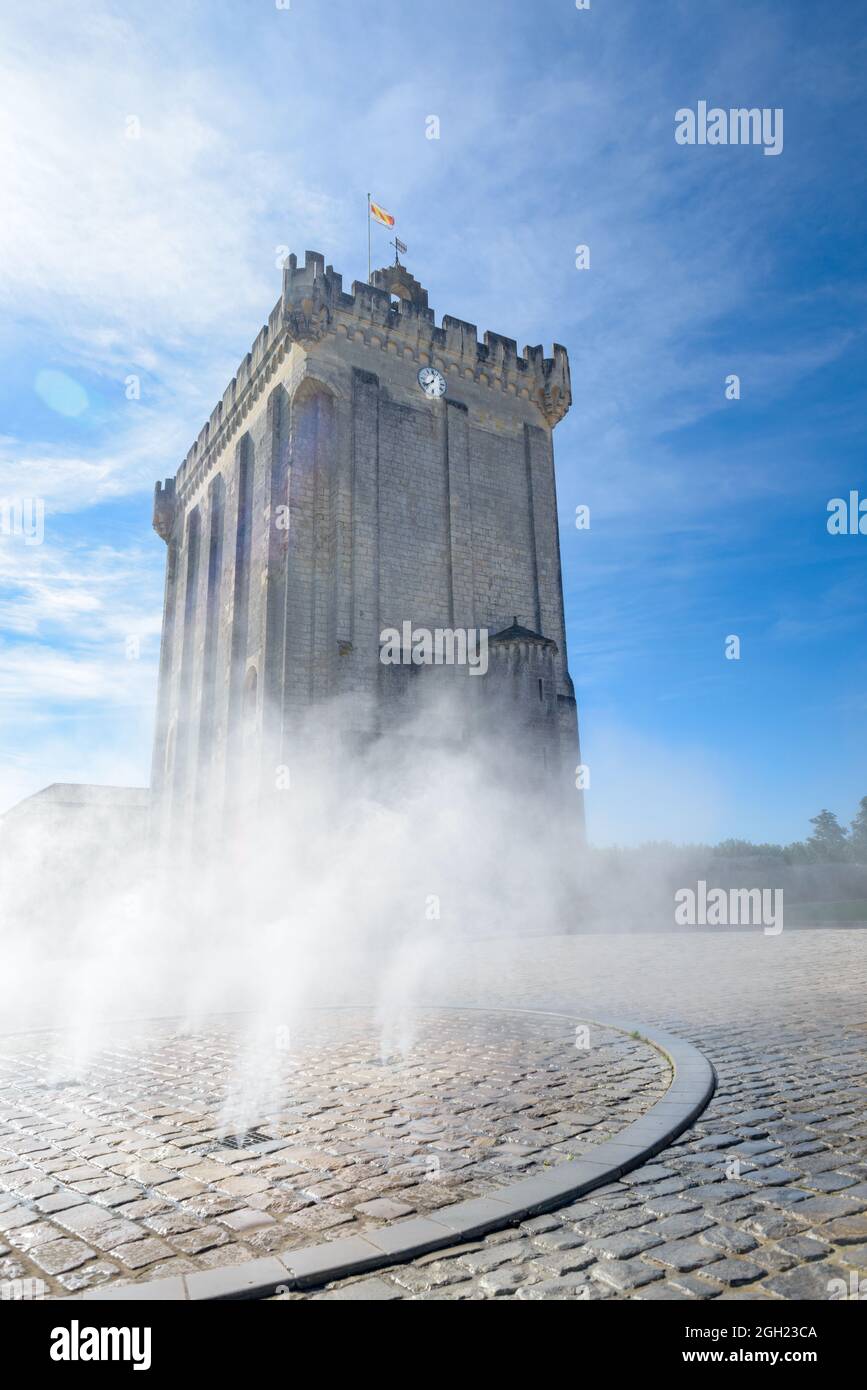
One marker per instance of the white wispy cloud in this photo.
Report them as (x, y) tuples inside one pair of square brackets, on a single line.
[(77, 693), (79, 595), (160, 232)]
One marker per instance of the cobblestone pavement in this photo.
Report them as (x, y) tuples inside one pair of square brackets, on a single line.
[(764, 1198), (128, 1168)]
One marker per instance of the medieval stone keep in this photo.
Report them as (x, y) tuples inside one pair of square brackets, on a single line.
[(365, 471)]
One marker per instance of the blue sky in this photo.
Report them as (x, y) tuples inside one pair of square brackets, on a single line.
[(262, 128)]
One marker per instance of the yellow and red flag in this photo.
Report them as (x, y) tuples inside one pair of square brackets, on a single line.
[(381, 215)]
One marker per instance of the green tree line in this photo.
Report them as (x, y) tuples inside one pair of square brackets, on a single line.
[(830, 843)]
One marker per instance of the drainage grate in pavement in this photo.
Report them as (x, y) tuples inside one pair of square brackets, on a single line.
[(241, 1141)]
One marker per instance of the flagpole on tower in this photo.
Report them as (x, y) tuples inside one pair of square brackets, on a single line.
[(368, 239)]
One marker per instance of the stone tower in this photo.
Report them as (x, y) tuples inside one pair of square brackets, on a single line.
[(329, 498)]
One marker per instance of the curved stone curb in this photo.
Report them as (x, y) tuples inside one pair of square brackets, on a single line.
[(313, 1265)]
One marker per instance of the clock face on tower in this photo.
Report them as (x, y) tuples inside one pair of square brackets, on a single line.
[(432, 382)]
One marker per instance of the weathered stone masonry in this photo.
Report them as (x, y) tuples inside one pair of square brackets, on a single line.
[(328, 498)]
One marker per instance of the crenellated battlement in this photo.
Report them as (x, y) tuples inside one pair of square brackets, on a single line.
[(392, 315)]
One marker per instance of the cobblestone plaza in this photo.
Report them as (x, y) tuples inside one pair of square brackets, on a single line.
[(126, 1167)]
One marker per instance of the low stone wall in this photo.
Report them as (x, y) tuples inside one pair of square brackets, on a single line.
[(64, 839)]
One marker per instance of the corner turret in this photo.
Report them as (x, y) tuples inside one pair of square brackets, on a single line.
[(164, 508)]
